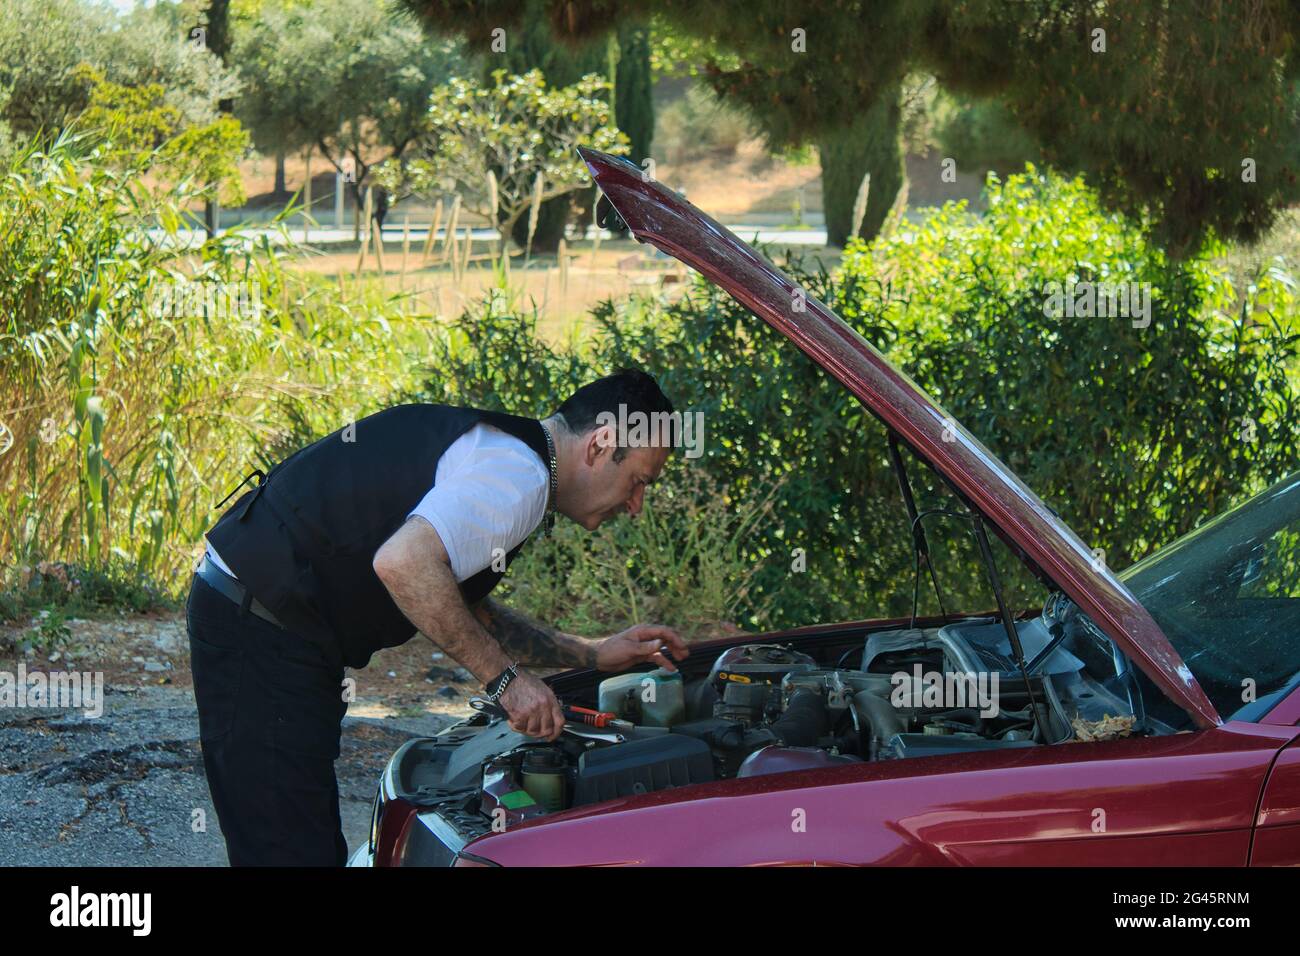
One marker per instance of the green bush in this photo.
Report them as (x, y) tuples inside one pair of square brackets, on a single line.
[(49, 630), (1134, 429), (699, 124), (981, 134), (683, 562), (75, 591), (778, 431)]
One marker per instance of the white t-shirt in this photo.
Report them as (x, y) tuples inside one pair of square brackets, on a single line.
[(489, 492)]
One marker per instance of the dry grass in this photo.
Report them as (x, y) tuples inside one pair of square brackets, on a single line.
[(616, 270)]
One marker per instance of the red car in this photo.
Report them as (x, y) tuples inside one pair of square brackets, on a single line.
[(1148, 718)]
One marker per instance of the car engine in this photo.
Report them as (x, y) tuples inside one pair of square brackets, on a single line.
[(770, 708)]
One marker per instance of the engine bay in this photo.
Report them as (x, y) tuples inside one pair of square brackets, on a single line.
[(765, 708)]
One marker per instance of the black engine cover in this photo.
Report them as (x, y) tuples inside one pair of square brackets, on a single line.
[(642, 766)]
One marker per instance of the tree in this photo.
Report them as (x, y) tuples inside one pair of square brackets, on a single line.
[(356, 79), (870, 145), (52, 73), (634, 108), (216, 35), (275, 100), (142, 130), (1183, 113), (983, 134), (39, 66), (621, 56), (519, 129), (534, 47)]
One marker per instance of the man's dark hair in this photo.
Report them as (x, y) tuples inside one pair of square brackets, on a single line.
[(632, 388)]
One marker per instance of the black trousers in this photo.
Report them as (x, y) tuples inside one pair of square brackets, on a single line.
[(270, 713)]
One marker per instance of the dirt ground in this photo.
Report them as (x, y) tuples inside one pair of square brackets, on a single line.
[(153, 651), (127, 787)]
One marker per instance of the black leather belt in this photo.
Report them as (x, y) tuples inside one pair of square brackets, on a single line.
[(227, 586)]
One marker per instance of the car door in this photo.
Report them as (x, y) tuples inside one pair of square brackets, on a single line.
[(1277, 833), (1277, 825)]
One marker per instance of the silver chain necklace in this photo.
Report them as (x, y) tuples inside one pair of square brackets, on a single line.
[(548, 523)]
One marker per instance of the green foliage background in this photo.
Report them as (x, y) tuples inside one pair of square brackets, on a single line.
[(1133, 435)]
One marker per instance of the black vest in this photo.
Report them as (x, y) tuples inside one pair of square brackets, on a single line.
[(304, 540)]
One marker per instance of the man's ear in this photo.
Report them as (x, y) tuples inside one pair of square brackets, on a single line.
[(600, 442)]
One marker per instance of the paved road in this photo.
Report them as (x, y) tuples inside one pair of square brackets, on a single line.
[(128, 788), (326, 236)]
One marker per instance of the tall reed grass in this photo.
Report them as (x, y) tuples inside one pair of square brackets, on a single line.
[(141, 375)]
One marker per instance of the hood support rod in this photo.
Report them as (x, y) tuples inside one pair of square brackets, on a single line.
[(986, 551), (920, 545), (922, 549)]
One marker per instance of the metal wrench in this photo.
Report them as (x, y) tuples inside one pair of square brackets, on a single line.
[(585, 732)]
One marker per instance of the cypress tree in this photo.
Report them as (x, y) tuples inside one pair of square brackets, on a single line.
[(634, 108), (870, 144)]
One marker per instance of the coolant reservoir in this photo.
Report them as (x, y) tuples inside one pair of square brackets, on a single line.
[(620, 695), (543, 775), (653, 699)]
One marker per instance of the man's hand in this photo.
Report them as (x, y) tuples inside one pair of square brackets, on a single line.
[(533, 708), (642, 642)]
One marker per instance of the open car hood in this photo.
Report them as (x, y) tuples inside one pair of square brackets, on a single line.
[(659, 216)]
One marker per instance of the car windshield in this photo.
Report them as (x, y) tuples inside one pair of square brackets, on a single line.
[(1228, 598)]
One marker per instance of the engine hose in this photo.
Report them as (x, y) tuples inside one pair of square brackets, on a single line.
[(878, 720), (805, 720), (964, 715)]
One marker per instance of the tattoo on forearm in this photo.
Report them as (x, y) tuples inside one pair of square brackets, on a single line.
[(533, 643)]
